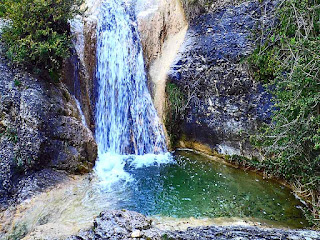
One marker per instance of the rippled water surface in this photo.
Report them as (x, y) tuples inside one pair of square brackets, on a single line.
[(196, 186), (192, 186)]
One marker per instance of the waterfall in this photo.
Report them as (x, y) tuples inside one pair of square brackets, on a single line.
[(127, 126)]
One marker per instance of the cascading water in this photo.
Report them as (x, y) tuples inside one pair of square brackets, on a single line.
[(127, 125), (194, 190)]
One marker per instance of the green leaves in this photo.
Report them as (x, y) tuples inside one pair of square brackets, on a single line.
[(289, 63), (176, 103), (39, 34), (292, 41)]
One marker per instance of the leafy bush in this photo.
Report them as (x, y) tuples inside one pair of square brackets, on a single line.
[(176, 104), (288, 62), (2, 10), (39, 35)]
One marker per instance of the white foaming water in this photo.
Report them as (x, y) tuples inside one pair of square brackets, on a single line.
[(128, 130), (145, 7)]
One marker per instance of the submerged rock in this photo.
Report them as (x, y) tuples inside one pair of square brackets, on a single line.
[(40, 128), (123, 224)]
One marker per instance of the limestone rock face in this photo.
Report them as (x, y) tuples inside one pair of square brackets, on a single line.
[(162, 26), (225, 104), (80, 69), (157, 21), (40, 127)]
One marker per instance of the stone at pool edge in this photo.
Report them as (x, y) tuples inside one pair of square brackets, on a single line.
[(124, 224), (119, 224)]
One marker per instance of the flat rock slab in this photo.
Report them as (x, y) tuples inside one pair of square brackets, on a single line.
[(242, 233)]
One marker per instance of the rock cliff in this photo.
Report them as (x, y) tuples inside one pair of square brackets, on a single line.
[(162, 28), (200, 47), (223, 104), (80, 69), (40, 128)]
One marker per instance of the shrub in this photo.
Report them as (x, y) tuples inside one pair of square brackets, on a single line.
[(288, 62), (175, 107), (39, 34), (2, 10)]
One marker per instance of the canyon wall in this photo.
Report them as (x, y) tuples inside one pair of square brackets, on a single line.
[(80, 69), (223, 104), (162, 26), (198, 46), (40, 131), (162, 31)]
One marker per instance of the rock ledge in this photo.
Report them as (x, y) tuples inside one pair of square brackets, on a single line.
[(123, 224)]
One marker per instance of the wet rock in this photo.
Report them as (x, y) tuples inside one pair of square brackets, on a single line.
[(79, 70), (157, 20), (29, 185), (162, 26), (225, 104), (40, 128)]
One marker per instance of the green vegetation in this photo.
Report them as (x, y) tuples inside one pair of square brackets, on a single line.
[(38, 36), (288, 62), (10, 133), (18, 232), (176, 104), (17, 83), (2, 9)]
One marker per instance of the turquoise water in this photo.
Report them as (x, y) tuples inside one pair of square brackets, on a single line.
[(196, 186), (132, 146), (191, 186)]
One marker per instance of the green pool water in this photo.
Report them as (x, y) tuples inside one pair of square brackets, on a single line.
[(192, 186), (196, 186)]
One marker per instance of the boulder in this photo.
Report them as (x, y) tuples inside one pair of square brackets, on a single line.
[(119, 224)]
